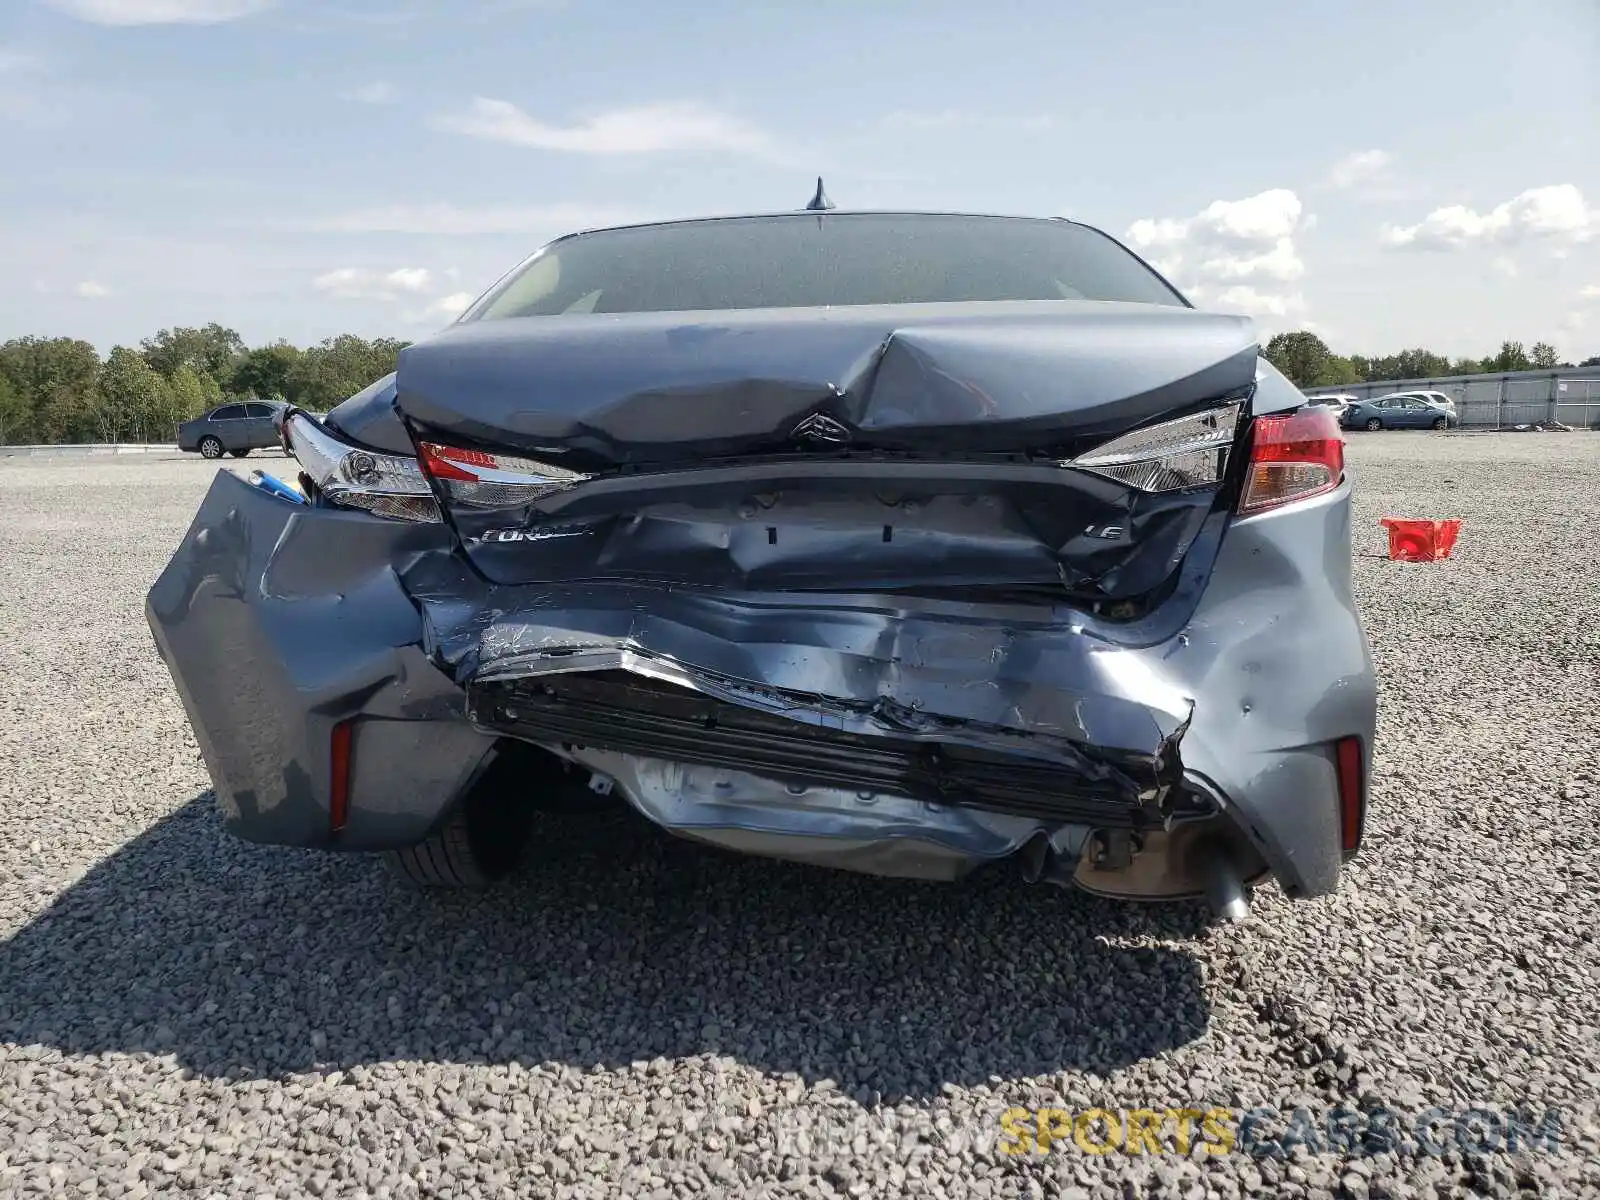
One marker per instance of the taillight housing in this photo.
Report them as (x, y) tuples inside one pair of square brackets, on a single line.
[(489, 481), (386, 485), (1293, 456), (398, 485), (1185, 452)]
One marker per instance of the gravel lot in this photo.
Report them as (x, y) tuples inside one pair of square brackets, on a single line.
[(181, 1013)]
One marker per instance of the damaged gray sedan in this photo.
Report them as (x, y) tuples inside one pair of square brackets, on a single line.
[(896, 542)]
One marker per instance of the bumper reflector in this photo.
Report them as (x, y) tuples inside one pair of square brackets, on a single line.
[(1352, 805), (339, 775)]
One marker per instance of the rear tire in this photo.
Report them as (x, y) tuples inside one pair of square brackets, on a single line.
[(238, 453), (1441, 423), (1373, 424), (479, 844), (210, 447)]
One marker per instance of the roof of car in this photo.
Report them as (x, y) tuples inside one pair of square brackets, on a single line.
[(820, 215)]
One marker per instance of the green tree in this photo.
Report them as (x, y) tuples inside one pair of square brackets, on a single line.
[(56, 379), (265, 372), (1301, 355), (191, 395), (135, 402), (1512, 357), (336, 369), (1418, 363), (1591, 362), (1544, 355), (1338, 371), (1466, 366), (15, 416), (211, 351)]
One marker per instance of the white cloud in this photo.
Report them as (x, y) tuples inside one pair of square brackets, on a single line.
[(409, 279), (376, 92), (160, 12), (441, 311), (548, 220), (451, 306), (1238, 255), (360, 283), (644, 130), (90, 290), (1360, 167), (1248, 300), (1590, 292), (1558, 213)]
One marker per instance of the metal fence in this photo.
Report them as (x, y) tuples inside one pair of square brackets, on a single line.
[(1570, 397)]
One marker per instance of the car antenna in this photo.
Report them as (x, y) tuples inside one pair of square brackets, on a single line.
[(819, 202)]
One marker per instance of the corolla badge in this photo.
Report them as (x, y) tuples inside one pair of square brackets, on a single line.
[(819, 427), (533, 535)]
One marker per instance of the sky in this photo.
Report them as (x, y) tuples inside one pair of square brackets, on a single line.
[(1388, 173)]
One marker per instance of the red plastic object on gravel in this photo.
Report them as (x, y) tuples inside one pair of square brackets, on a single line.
[(1420, 541)]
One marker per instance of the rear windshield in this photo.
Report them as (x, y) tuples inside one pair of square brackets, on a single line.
[(811, 260)]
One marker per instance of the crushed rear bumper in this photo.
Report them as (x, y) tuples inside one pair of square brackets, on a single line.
[(880, 733)]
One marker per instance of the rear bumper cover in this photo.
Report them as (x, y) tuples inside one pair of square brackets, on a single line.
[(278, 621)]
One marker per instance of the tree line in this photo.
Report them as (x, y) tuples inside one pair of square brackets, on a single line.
[(59, 389), (1306, 359)]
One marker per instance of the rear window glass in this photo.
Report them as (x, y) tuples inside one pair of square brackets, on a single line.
[(813, 260)]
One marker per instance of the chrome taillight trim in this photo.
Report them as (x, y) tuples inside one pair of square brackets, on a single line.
[(387, 485), (1188, 451)]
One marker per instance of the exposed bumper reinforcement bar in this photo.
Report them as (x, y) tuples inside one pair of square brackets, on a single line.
[(629, 714)]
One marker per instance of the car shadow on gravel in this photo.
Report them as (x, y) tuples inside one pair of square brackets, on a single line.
[(615, 944)]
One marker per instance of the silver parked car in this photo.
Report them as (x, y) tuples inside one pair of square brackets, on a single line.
[(1401, 410), (901, 543), (234, 429)]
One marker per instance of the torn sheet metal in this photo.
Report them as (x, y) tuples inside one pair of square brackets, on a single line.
[(883, 692), (659, 388)]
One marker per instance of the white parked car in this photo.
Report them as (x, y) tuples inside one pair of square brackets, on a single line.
[(1337, 401), (1437, 398)]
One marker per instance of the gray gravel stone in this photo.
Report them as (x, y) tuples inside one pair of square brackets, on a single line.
[(183, 1014)]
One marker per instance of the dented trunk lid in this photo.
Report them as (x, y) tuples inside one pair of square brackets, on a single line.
[(907, 447)]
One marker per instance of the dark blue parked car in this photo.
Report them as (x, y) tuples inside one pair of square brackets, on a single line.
[(1401, 410)]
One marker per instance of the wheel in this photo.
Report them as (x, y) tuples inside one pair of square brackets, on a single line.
[(1373, 424), (1441, 423), (210, 447), (238, 453), (479, 844)]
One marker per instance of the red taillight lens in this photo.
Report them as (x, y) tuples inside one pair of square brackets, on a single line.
[(1292, 457), (339, 775), (448, 462), (1352, 804), (480, 479)]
